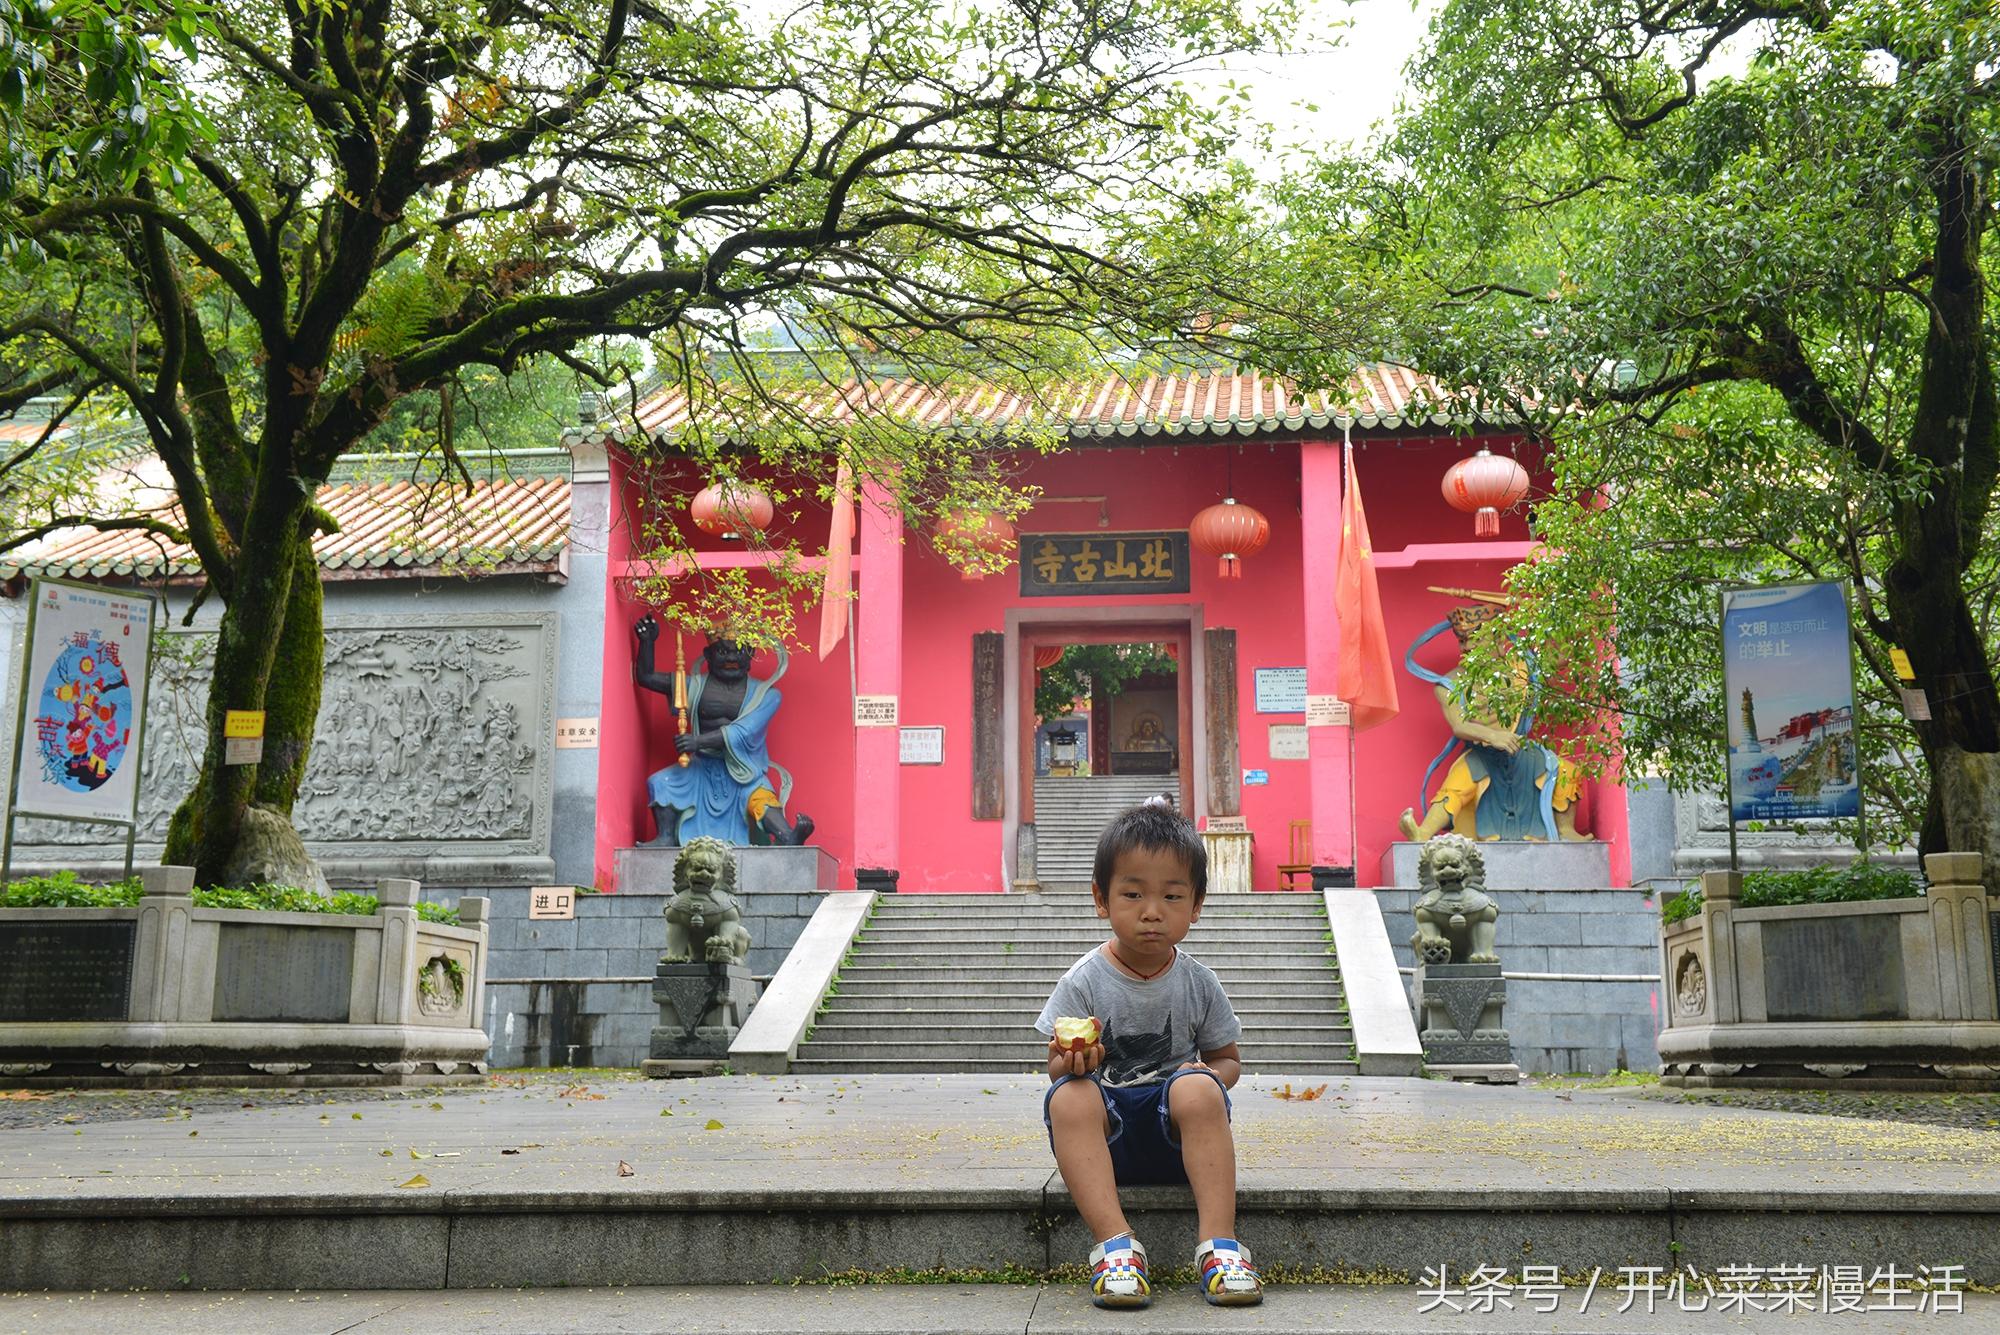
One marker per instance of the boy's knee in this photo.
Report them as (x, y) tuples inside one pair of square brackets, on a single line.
[(1196, 1097), (1076, 1101)]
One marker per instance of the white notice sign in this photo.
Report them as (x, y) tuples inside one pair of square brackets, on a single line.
[(922, 746), (874, 711), (576, 734), (1326, 711), (1288, 742), (1226, 825)]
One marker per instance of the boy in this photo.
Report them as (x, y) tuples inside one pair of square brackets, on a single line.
[(1146, 1102)]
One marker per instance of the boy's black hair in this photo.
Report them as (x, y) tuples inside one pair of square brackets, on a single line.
[(1153, 827)]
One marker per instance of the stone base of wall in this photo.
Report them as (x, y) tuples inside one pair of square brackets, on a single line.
[(1574, 1025), (580, 992)]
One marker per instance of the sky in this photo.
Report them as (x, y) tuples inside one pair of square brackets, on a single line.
[(1348, 64)]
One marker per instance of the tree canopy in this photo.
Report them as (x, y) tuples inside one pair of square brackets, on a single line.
[(324, 207), (1728, 261)]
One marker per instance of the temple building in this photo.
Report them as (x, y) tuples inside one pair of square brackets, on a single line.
[(916, 747)]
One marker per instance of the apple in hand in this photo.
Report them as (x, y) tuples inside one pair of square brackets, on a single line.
[(1075, 1033)]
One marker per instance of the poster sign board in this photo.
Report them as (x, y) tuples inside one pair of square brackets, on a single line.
[(83, 703), (1788, 683), (1069, 565), (1281, 690), (921, 746)]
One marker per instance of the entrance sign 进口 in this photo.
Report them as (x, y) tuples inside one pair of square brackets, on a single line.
[(556, 902)]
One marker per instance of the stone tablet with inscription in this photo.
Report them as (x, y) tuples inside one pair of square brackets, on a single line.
[(53, 971), (296, 974)]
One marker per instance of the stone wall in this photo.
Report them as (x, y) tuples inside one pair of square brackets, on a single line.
[(1575, 1024), (579, 992)]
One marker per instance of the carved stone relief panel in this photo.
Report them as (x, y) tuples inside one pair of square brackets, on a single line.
[(1701, 839), (434, 740)]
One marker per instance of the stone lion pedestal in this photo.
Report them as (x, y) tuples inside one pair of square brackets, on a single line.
[(1458, 991), (702, 1005)]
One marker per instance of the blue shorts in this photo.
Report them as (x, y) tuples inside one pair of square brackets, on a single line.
[(1144, 1151)]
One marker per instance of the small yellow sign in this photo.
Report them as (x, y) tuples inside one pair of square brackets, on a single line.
[(243, 723), (1901, 659)]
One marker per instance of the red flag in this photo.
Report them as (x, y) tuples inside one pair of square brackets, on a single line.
[(833, 590), (1367, 675)]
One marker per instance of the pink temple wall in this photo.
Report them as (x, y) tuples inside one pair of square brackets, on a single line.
[(942, 848)]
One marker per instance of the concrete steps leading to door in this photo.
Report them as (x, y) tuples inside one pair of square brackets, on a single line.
[(1071, 812), (953, 983)]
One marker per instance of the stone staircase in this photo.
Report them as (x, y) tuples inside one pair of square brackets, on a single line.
[(953, 983), (1071, 812)]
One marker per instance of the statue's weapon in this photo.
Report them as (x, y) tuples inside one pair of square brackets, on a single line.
[(1475, 595), (681, 694)]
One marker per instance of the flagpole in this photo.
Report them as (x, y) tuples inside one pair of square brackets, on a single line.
[(1346, 475)]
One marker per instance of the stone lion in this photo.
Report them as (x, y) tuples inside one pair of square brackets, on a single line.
[(1455, 917), (703, 922)]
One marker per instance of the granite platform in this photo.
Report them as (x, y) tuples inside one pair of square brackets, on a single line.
[(754, 1179)]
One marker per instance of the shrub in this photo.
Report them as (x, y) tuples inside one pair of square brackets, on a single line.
[(1853, 883), (65, 890)]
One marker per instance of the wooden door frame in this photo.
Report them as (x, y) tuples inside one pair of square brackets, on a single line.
[(1178, 632)]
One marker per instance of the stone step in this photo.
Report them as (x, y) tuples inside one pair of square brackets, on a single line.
[(1036, 991), (1055, 962), (1266, 1054), (833, 1030), (1049, 936), (965, 978), (805, 1065), (975, 1010)]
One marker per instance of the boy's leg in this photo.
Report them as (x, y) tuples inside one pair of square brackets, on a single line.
[(1200, 1117), (1080, 1130)]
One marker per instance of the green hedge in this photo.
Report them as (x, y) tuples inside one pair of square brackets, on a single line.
[(1813, 885), (65, 891)]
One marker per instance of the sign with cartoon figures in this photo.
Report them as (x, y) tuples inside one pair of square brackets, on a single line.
[(83, 703)]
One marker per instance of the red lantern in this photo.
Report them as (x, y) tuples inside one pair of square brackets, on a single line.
[(1230, 531), (724, 509), (979, 531), (1483, 486)]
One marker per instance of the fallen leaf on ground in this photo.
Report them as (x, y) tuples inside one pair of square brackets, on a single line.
[(418, 1181), (437, 1107), (415, 1155), (386, 1154), (713, 1125), (21, 1094), (1304, 1095), (355, 1116), (503, 1151), (624, 1169)]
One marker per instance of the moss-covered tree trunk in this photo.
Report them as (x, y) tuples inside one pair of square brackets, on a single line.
[(264, 660)]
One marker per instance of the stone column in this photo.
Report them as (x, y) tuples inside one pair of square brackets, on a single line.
[(159, 947), (1962, 934), (1721, 892), (1330, 768), (472, 911), (878, 671), (396, 984)]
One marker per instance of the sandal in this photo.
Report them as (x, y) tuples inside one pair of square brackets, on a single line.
[(1228, 1279), (1118, 1273)]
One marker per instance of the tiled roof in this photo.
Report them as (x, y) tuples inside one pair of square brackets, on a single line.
[(1378, 396), (386, 529)]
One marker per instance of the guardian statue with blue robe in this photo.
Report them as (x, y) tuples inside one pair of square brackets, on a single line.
[(1499, 783), (721, 785)]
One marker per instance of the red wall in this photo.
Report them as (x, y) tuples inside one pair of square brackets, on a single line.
[(1160, 487)]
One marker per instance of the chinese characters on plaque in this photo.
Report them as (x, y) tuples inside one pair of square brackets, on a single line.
[(552, 901), (1067, 565)]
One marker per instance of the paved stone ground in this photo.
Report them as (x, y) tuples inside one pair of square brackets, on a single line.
[(954, 1309), (1968, 1112), (920, 1135)]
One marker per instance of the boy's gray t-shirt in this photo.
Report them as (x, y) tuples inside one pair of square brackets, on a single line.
[(1151, 1027)]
